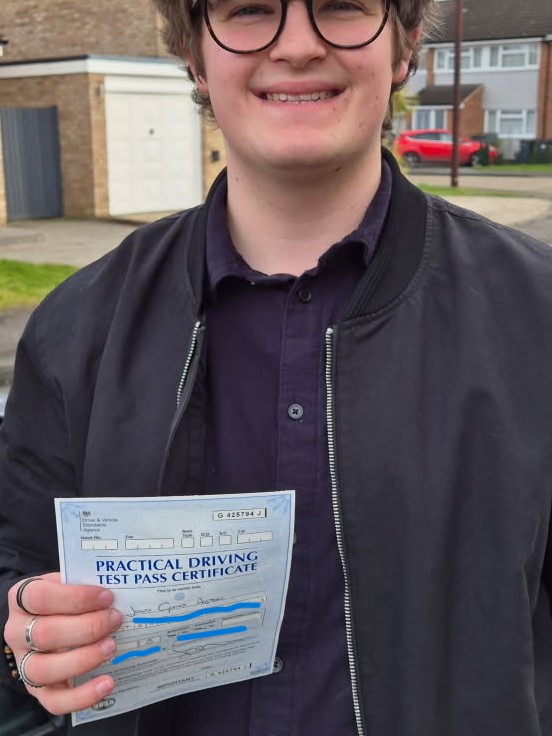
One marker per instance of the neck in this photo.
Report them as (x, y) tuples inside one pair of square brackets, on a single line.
[(282, 222)]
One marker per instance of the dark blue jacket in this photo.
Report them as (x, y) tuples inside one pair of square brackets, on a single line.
[(440, 449)]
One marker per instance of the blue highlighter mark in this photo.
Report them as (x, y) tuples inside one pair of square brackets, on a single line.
[(195, 614), (209, 634), (138, 653)]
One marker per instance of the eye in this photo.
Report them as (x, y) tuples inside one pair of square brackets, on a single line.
[(229, 9), (366, 7), (253, 10), (342, 6)]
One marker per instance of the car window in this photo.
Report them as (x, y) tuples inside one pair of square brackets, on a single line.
[(427, 136)]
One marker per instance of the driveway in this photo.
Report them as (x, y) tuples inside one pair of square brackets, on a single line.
[(74, 242)]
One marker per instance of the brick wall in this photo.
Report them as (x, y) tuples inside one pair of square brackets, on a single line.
[(39, 29), (212, 143), (544, 109), (98, 145), (80, 103), (3, 208), (472, 116), (430, 66)]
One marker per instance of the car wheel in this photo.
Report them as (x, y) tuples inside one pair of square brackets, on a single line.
[(473, 160), (411, 159)]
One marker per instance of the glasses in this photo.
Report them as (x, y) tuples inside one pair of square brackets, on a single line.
[(247, 26)]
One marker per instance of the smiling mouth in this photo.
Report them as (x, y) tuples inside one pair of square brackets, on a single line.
[(298, 99)]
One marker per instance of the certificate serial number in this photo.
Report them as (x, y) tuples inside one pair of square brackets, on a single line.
[(239, 514)]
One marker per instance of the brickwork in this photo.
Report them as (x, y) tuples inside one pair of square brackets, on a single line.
[(430, 67), (544, 115), (472, 116), (40, 29), (79, 99), (98, 143), (3, 207), (212, 145)]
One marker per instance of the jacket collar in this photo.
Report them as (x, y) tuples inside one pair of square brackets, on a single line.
[(392, 268)]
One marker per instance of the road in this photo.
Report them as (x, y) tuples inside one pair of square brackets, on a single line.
[(525, 186)]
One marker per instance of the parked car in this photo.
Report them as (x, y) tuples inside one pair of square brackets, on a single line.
[(435, 146)]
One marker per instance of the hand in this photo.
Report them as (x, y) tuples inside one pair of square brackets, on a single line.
[(70, 636)]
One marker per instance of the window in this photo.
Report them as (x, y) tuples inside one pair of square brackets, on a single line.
[(510, 123), (497, 56), (426, 117), (471, 57), (514, 56)]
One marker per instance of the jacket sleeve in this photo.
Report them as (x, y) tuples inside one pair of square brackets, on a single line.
[(35, 467)]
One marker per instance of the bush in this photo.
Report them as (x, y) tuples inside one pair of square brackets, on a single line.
[(483, 155)]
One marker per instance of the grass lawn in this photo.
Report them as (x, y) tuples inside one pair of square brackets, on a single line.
[(516, 169), (24, 285), (463, 191)]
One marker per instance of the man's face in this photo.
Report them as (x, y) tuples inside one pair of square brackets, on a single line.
[(254, 99)]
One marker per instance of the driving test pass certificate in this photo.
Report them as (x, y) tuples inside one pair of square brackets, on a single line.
[(201, 582)]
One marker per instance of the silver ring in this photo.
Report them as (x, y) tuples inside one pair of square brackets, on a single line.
[(29, 635), (19, 594), (21, 668)]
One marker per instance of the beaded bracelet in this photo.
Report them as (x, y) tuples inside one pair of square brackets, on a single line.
[(12, 664)]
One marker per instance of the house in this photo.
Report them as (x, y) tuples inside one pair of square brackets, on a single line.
[(96, 119), (506, 71)]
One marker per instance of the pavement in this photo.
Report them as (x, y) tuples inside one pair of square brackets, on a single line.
[(78, 242)]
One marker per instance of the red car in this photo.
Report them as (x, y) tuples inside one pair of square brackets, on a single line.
[(435, 146)]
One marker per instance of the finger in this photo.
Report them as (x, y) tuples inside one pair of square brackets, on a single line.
[(63, 699), (53, 668), (59, 632), (47, 596)]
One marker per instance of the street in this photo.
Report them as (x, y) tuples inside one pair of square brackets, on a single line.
[(526, 186)]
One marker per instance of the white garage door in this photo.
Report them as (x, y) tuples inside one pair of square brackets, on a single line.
[(153, 152)]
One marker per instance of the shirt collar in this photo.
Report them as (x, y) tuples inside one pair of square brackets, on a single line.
[(224, 261)]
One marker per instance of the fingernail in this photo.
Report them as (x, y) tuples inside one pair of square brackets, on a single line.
[(108, 648), (115, 619), (105, 598), (104, 687)]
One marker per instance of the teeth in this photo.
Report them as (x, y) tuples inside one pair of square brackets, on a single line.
[(311, 97)]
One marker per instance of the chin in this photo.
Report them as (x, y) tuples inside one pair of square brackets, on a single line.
[(303, 154)]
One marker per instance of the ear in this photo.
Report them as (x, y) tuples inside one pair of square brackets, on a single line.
[(401, 70), (200, 80)]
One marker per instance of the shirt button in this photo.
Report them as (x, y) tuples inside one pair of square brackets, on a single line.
[(295, 411), (304, 295), (278, 665)]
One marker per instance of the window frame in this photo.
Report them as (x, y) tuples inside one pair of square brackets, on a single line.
[(443, 62), (494, 119), (433, 110)]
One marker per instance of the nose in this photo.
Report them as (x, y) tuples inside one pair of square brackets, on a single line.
[(298, 43)]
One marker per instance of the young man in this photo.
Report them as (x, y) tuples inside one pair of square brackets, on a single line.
[(322, 325)]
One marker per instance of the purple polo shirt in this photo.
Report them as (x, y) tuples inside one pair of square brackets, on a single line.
[(267, 431)]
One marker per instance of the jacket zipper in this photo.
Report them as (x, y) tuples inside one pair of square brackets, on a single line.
[(189, 357), (180, 407), (336, 505)]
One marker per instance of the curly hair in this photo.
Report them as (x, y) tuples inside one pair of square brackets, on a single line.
[(182, 25)]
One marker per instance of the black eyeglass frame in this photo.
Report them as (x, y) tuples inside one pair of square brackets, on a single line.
[(284, 4)]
